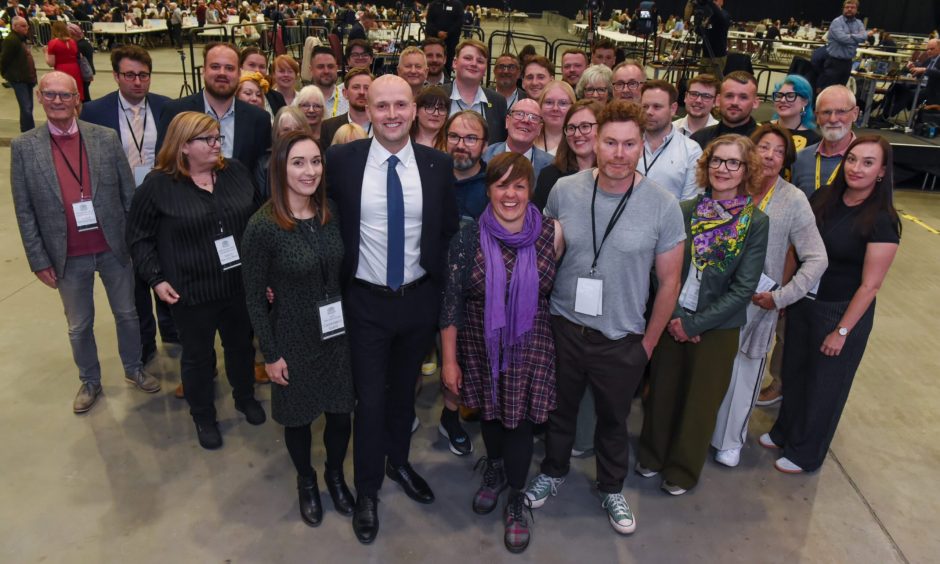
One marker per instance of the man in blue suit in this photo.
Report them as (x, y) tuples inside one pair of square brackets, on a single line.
[(524, 124), (133, 112)]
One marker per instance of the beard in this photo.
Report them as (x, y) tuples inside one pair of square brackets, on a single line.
[(464, 163), (834, 134), (221, 91)]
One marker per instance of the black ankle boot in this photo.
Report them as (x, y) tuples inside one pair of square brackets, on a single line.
[(343, 500), (311, 510)]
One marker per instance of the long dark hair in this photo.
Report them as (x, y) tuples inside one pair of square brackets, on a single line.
[(565, 159), (277, 177), (881, 199)]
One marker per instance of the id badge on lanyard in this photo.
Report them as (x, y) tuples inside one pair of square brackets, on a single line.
[(85, 218), (589, 296), (227, 251), (332, 323)]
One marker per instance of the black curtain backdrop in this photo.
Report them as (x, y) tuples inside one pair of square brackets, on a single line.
[(899, 16)]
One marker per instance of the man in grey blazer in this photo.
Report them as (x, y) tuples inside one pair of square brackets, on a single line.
[(72, 188)]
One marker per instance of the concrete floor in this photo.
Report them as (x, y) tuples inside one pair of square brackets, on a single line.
[(128, 483)]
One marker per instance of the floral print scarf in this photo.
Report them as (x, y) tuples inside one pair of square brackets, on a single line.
[(719, 229)]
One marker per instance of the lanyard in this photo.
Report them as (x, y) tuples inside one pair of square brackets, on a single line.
[(656, 158), (139, 146), (335, 101), (463, 108), (767, 197), (614, 218), (81, 163), (831, 176), (321, 258)]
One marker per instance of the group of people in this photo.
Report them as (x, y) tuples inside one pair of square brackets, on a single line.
[(349, 229)]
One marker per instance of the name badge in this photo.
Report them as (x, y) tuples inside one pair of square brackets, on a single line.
[(332, 323), (85, 218), (589, 296), (448, 8), (228, 252), (140, 172)]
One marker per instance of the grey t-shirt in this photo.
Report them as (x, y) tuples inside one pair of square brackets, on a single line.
[(651, 224)]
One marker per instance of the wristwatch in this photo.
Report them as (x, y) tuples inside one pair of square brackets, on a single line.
[(843, 331)]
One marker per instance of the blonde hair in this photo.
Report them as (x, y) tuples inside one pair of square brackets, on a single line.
[(753, 167), (182, 129), (348, 132)]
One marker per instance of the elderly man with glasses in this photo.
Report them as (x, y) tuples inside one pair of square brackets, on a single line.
[(628, 78), (72, 187), (816, 165), (524, 123), (508, 71)]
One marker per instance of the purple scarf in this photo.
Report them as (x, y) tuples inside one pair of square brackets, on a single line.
[(506, 324)]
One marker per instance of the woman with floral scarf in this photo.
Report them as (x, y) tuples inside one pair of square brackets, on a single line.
[(691, 367)]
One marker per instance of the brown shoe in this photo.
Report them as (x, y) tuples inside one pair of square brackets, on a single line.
[(770, 395), (261, 377), (179, 391), (469, 413), (87, 396)]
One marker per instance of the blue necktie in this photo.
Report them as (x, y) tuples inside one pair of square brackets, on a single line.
[(395, 269)]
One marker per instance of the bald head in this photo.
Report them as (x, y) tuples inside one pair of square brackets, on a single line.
[(933, 48), (20, 25), (58, 78), (528, 105), (387, 81), (522, 132), (391, 110), (836, 94)]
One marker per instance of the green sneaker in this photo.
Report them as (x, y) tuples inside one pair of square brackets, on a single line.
[(619, 513), (540, 488)]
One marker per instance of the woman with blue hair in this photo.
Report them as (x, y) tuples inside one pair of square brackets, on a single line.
[(793, 100)]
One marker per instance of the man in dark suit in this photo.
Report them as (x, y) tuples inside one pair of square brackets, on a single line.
[(467, 92), (246, 129), (355, 90), (133, 112), (930, 69), (72, 188), (397, 216)]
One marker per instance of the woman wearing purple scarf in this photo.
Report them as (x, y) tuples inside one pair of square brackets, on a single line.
[(498, 351)]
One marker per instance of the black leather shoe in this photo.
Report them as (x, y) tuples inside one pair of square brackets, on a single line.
[(413, 484), (253, 411), (343, 500), (365, 519), (311, 510), (208, 434)]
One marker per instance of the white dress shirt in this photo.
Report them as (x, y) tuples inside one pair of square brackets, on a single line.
[(125, 118), (682, 124), (373, 219), (479, 104), (672, 165)]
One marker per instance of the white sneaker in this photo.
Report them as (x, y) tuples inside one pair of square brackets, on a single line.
[(644, 471), (785, 465), (766, 442), (672, 489), (619, 513), (541, 488), (730, 457)]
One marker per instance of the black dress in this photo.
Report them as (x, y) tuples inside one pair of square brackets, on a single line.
[(292, 264)]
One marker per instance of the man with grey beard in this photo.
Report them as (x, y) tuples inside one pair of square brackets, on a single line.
[(466, 140), (817, 165)]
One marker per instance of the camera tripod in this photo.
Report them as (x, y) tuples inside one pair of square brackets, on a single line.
[(186, 89)]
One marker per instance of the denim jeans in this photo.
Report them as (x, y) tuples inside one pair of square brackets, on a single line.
[(77, 290), (24, 97)]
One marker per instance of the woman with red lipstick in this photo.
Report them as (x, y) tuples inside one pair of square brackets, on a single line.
[(498, 351), (826, 337), (726, 242)]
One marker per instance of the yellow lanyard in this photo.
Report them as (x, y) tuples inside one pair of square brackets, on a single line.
[(336, 105), (831, 176), (766, 200)]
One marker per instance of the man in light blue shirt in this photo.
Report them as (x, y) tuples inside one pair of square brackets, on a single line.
[(669, 158), (846, 33)]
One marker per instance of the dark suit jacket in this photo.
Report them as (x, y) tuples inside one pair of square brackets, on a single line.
[(329, 128), (37, 196), (933, 83), (495, 113), (275, 100), (252, 127), (104, 110), (357, 32), (439, 215)]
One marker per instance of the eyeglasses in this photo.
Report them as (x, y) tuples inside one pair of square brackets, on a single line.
[(788, 96), (778, 151), (507, 68), (307, 107), (731, 164), (696, 95), (64, 96), (431, 110), (560, 104), (519, 115), (631, 84), (583, 128), (130, 76), (468, 140), (595, 90), (210, 140), (839, 113)]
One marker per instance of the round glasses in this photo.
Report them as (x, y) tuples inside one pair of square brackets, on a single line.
[(582, 128)]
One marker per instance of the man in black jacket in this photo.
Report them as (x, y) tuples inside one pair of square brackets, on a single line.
[(17, 68), (736, 100), (714, 30), (444, 21)]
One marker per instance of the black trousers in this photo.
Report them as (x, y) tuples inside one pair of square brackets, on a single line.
[(148, 326), (388, 338), (613, 369), (816, 386), (834, 71), (197, 325)]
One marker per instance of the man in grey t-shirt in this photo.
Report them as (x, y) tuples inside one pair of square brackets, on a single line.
[(599, 298)]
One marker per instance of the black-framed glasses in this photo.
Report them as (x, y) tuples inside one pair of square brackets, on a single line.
[(595, 90), (732, 165), (49, 96), (439, 109), (584, 128), (130, 76), (210, 140), (696, 95), (788, 96), (631, 84), (519, 115), (468, 140)]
